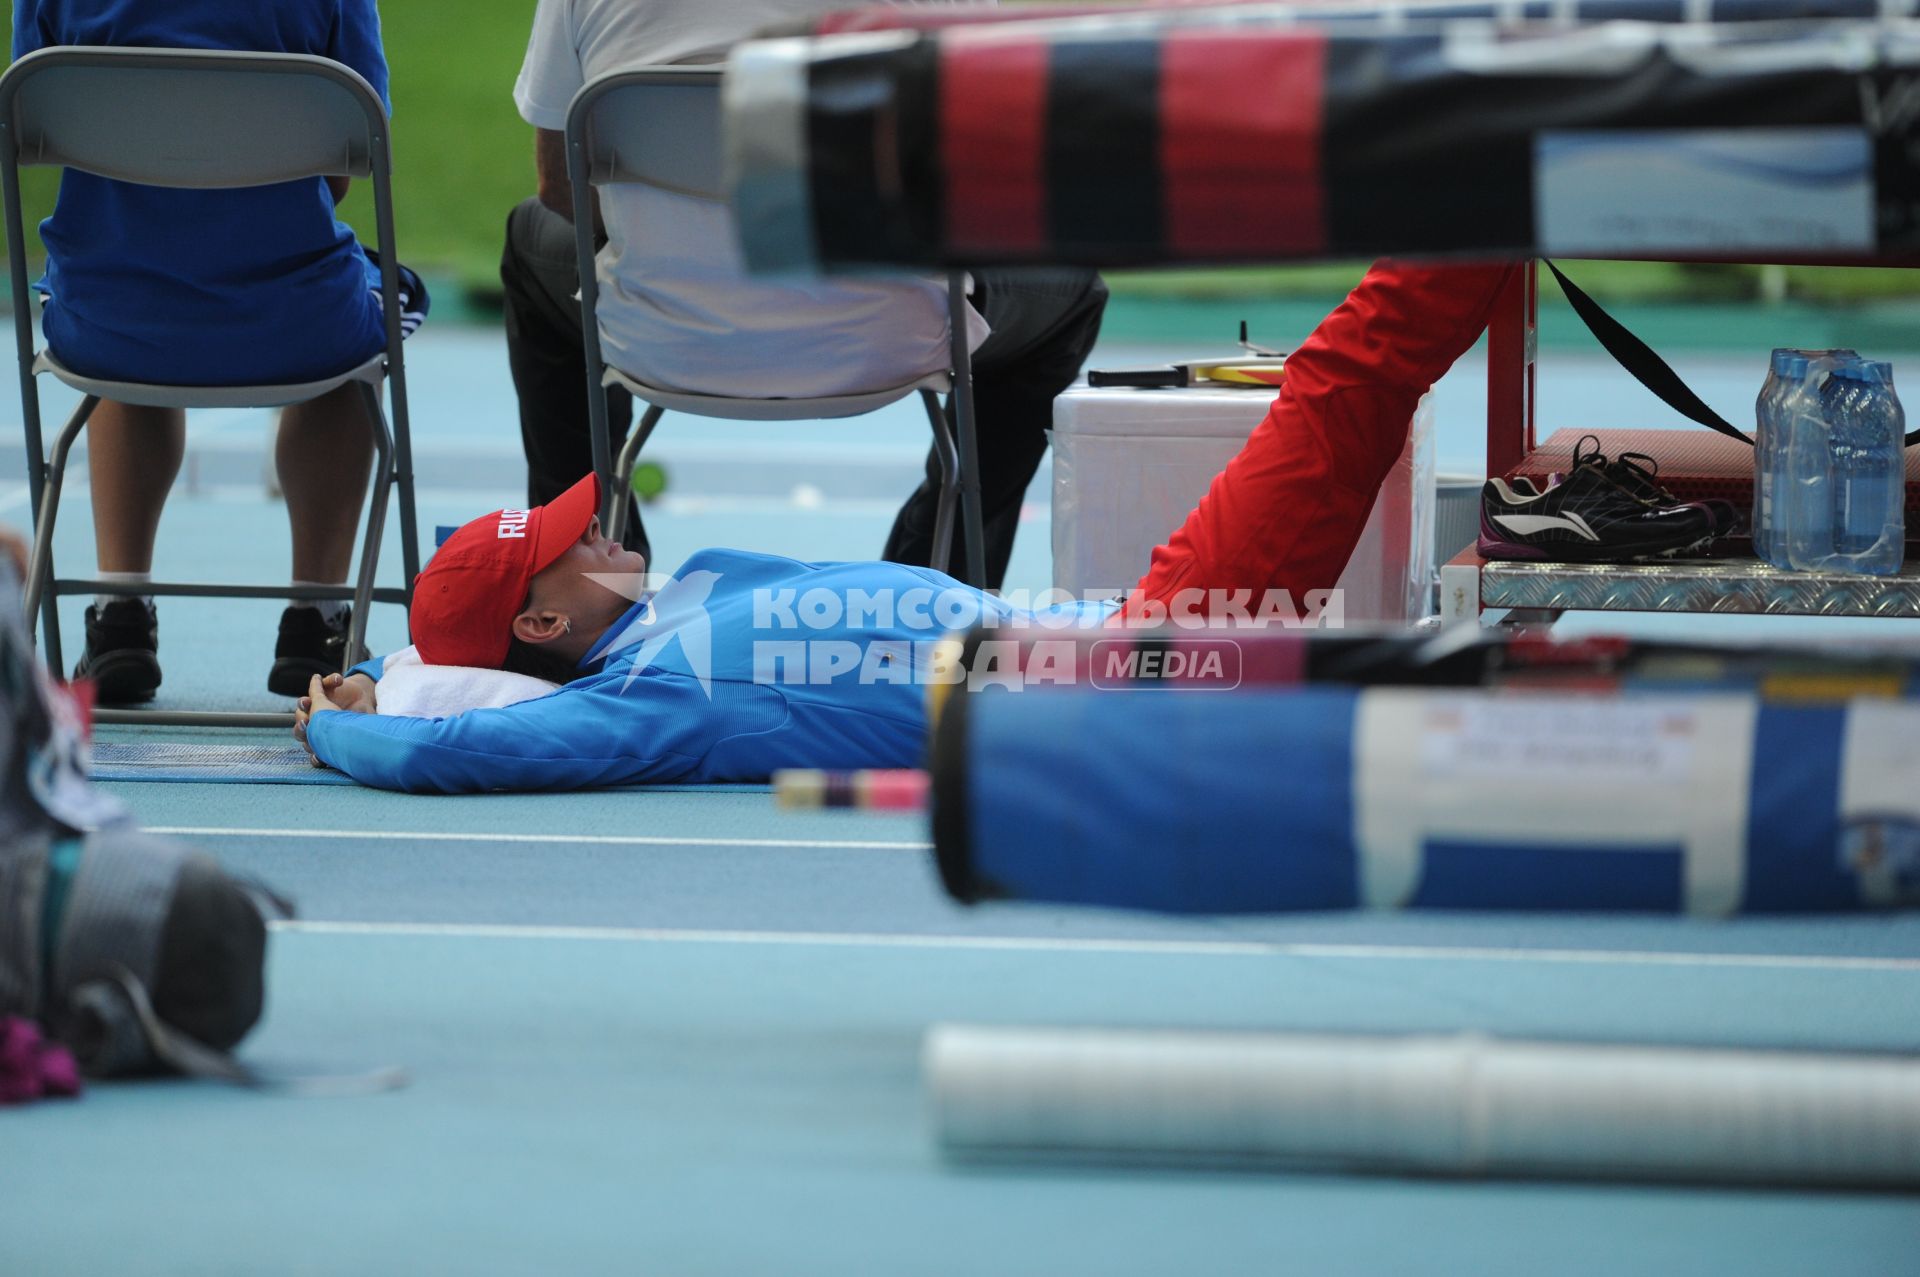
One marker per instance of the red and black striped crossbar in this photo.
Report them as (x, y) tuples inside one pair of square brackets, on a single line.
[(1170, 138)]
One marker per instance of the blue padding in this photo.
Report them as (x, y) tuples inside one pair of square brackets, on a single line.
[(1201, 802), (1242, 803), (173, 763), (181, 763), (1488, 876), (1793, 827), (192, 776)]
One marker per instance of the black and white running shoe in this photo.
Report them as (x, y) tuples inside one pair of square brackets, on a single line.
[(1639, 474), (1587, 518)]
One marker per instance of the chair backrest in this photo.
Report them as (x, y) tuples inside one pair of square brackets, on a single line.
[(660, 127), (663, 126), (191, 118)]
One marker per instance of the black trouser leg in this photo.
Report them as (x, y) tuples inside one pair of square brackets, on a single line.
[(1044, 324), (548, 359)]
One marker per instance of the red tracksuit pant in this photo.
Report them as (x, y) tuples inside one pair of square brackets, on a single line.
[(1287, 511)]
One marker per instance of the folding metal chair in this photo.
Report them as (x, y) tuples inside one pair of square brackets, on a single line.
[(206, 120), (661, 126)]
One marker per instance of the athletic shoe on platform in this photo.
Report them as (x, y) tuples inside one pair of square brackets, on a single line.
[(1639, 474), (308, 645), (122, 658), (1586, 518)]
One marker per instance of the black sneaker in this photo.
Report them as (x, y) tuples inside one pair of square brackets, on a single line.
[(122, 659), (1639, 474), (308, 645), (1586, 518)]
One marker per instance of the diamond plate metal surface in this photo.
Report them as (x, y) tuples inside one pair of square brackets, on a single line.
[(1718, 585)]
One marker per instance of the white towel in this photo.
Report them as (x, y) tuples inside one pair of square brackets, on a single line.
[(412, 688)]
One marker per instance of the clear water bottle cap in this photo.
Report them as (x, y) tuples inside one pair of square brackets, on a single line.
[(1867, 371), (1834, 355)]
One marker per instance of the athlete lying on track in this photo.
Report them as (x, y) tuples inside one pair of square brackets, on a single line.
[(746, 663)]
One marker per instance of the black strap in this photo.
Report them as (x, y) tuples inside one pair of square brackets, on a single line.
[(1639, 359), (1647, 367)]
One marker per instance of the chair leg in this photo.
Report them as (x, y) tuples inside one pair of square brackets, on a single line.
[(949, 481), (403, 480), (383, 476), (402, 428), (616, 500), (599, 428), (39, 595), (972, 522), (973, 525)]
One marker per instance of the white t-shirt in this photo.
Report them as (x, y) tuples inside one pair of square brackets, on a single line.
[(677, 308)]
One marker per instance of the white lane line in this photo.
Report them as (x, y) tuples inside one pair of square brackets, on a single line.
[(585, 840), (1204, 948)]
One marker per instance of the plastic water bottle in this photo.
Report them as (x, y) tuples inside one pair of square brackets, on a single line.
[(1803, 488), (1787, 374), (1799, 487), (1866, 429), (1769, 442)]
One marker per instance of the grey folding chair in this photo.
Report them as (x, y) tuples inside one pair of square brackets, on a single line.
[(206, 120), (660, 126)]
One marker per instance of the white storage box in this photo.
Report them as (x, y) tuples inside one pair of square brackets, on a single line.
[(1130, 465)]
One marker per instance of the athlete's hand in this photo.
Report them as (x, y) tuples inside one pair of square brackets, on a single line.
[(305, 708), (332, 693), (354, 692)]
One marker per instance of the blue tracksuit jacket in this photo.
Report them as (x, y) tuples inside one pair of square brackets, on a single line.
[(744, 663)]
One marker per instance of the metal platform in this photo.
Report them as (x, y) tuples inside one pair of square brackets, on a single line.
[(1747, 586)]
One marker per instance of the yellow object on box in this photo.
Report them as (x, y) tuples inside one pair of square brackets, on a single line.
[(1244, 372), (1808, 687)]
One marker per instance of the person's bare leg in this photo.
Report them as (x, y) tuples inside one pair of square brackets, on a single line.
[(323, 453), (133, 455), (322, 456)]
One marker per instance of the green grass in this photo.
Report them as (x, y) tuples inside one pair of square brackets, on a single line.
[(1622, 282), (462, 154)]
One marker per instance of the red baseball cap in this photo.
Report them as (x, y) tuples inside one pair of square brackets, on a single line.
[(465, 599)]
